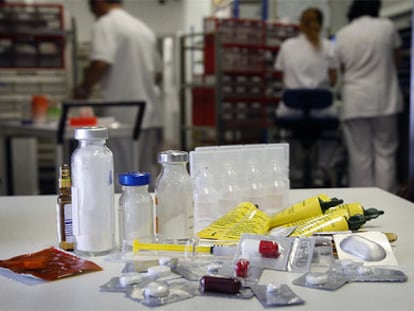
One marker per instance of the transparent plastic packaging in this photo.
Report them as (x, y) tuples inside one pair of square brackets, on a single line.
[(276, 189), (254, 189), (206, 199), (355, 271), (231, 192), (272, 296), (276, 253), (371, 247), (93, 193), (250, 248), (126, 282), (245, 173), (174, 197), (321, 280), (160, 293), (135, 210)]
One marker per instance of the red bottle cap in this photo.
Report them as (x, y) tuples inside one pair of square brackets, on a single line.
[(269, 249)]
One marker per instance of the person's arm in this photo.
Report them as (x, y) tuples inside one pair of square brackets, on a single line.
[(92, 75), (333, 76)]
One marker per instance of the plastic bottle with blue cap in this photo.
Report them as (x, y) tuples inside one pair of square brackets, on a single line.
[(135, 210)]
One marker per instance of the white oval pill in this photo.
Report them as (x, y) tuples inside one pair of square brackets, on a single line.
[(316, 278), (214, 267), (271, 287), (164, 261), (129, 279), (159, 271), (156, 289)]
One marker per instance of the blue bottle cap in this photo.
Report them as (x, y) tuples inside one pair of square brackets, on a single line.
[(134, 179)]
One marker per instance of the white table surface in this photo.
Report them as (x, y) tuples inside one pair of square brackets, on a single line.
[(28, 224)]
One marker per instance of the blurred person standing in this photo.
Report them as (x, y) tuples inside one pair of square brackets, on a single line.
[(307, 61), (368, 52), (125, 61)]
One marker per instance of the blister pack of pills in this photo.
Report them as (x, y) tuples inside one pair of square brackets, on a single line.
[(321, 280), (301, 255), (193, 271), (355, 271), (126, 282), (272, 296), (130, 279), (262, 251), (276, 253), (323, 252), (373, 248), (143, 265), (159, 293)]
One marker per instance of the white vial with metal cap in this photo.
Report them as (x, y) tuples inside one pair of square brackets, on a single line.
[(136, 219), (174, 197), (93, 193)]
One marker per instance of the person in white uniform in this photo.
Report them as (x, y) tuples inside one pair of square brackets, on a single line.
[(307, 61), (368, 52), (126, 63)]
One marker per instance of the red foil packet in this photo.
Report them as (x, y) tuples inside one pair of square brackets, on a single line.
[(49, 264)]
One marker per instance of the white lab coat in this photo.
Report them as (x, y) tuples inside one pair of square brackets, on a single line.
[(305, 67), (370, 87), (371, 100), (129, 46)]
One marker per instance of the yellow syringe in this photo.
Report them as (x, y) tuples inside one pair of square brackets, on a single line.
[(217, 250)]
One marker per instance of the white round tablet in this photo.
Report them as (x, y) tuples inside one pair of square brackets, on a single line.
[(214, 267), (316, 278), (156, 289), (159, 271), (164, 261), (271, 287), (129, 279)]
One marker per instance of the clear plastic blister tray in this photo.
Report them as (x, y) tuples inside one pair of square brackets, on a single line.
[(240, 160), (355, 271), (294, 254), (271, 296), (301, 255), (161, 293), (321, 280), (116, 285), (248, 249)]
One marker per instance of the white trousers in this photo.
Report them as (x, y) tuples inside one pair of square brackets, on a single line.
[(372, 147)]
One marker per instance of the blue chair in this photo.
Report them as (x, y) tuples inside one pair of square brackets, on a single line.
[(307, 127)]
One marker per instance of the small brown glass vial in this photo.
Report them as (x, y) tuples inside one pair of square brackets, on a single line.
[(64, 209), (219, 285)]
